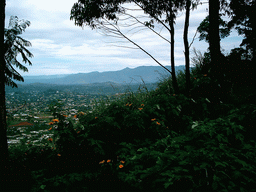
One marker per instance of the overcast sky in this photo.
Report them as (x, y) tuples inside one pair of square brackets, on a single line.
[(60, 47)]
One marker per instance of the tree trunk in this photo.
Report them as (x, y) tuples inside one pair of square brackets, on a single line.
[(174, 79), (214, 36), (4, 158), (185, 38)]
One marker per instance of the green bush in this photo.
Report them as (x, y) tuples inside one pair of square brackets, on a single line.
[(213, 156), (165, 142)]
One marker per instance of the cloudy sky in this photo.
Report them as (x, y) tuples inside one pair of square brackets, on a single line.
[(60, 47)]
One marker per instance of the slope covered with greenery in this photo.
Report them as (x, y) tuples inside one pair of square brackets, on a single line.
[(147, 140)]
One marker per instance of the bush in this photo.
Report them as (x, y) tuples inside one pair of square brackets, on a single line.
[(213, 156)]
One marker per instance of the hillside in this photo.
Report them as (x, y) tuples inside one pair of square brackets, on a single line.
[(149, 74)]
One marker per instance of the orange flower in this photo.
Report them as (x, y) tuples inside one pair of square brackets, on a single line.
[(122, 161), (50, 139), (205, 75), (102, 162), (140, 109), (108, 161), (130, 105), (75, 116), (121, 166), (142, 105), (96, 117), (173, 94), (59, 155), (50, 129), (127, 104), (55, 120), (78, 132), (81, 113), (153, 119), (51, 123), (65, 116), (158, 123)]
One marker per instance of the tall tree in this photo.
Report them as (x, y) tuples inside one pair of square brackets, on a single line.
[(214, 37), (186, 45), (12, 45), (91, 12), (242, 14), (3, 137)]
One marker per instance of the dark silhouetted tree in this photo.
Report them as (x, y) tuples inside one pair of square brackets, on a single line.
[(12, 45), (93, 13)]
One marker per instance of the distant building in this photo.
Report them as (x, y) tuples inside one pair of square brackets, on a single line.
[(22, 124)]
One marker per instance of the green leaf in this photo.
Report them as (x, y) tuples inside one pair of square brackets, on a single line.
[(204, 165), (195, 124), (241, 162), (134, 157), (142, 149), (184, 162), (42, 186), (159, 161)]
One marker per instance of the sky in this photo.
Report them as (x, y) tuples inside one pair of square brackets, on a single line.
[(61, 47)]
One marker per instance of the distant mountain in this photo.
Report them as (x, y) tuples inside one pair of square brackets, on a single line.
[(149, 74)]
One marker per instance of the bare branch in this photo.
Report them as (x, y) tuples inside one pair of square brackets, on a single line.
[(157, 19), (137, 46), (192, 40), (149, 28)]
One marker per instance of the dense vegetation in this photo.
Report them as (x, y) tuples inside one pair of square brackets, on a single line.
[(148, 140), (193, 133)]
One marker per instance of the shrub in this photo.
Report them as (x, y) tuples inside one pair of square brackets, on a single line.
[(213, 156)]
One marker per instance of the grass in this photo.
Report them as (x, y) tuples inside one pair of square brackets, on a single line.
[(143, 141)]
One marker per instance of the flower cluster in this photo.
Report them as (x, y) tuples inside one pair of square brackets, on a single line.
[(128, 104), (109, 160), (54, 121)]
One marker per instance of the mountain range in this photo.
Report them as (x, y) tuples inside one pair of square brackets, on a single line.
[(149, 74)]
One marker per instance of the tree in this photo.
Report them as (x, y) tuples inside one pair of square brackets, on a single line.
[(3, 140), (242, 13), (12, 45), (214, 37), (93, 13), (221, 67), (15, 45), (203, 29), (185, 37)]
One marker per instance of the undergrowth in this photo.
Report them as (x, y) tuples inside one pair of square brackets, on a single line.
[(148, 141)]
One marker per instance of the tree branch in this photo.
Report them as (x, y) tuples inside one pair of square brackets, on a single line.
[(137, 46)]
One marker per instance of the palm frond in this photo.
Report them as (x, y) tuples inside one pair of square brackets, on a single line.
[(14, 45)]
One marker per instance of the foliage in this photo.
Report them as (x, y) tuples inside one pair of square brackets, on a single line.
[(242, 14), (56, 107), (147, 140), (14, 45), (213, 151), (204, 29)]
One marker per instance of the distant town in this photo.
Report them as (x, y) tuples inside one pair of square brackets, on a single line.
[(30, 103)]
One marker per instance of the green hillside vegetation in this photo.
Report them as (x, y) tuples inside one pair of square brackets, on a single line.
[(147, 140)]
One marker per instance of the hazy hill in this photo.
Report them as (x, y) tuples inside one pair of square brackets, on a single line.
[(149, 74)]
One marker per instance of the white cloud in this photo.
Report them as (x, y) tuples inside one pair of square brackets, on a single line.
[(51, 6), (59, 46)]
